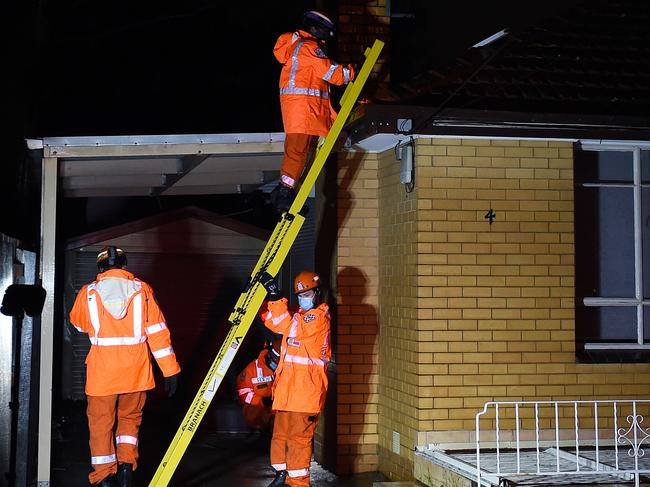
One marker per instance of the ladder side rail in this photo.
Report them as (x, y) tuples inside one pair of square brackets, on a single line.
[(351, 94), (221, 364), (249, 302)]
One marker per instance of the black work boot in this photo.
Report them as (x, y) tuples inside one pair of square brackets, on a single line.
[(281, 197), (124, 475), (280, 475)]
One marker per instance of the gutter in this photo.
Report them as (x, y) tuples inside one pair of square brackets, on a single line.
[(372, 119)]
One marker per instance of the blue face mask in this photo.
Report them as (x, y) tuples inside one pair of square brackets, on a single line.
[(305, 303)]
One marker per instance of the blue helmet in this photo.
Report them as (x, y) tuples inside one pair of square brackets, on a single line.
[(318, 24)]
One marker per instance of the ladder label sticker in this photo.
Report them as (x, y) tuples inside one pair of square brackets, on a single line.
[(228, 356), (211, 390), (198, 414)]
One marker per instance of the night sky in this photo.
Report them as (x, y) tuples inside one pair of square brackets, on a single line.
[(81, 67), (156, 67), (200, 66)]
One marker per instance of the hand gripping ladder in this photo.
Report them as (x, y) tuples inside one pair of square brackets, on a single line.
[(271, 260)]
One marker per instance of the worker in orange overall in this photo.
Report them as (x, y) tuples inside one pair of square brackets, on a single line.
[(307, 112), (125, 326), (301, 377), (254, 387)]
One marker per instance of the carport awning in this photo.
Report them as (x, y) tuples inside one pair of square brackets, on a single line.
[(153, 165)]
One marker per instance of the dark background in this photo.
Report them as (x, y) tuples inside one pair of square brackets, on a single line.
[(82, 67)]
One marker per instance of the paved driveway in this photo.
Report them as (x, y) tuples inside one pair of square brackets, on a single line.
[(212, 460)]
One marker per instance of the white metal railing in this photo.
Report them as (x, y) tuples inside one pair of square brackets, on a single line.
[(562, 438)]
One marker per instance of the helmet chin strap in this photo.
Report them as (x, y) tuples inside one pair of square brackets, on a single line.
[(320, 33), (270, 356)]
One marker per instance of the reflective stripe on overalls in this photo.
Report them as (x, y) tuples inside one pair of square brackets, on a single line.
[(292, 89), (113, 341), (298, 359)]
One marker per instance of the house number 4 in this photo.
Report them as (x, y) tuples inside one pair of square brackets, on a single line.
[(490, 216)]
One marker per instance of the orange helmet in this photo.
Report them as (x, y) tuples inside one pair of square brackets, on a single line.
[(305, 281)]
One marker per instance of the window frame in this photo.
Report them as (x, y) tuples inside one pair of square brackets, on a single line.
[(638, 301)]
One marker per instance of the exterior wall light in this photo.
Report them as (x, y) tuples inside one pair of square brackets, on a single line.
[(405, 153)]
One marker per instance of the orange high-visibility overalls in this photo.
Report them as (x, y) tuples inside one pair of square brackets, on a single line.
[(300, 385), (123, 322), (307, 112), (255, 383)]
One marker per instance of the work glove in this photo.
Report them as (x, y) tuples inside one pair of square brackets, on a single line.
[(170, 385), (267, 401), (270, 283), (353, 71)]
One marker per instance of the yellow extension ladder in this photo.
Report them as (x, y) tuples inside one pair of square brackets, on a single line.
[(270, 261)]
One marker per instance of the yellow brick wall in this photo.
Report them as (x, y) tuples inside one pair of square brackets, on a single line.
[(439, 311), (356, 339), (399, 320), (497, 301), (356, 335)]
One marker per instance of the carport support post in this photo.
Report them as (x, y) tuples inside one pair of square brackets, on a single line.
[(46, 271)]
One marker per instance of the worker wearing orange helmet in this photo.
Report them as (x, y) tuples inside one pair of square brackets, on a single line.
[(307, 112), (125, 326), (254, 387), (301, 377)]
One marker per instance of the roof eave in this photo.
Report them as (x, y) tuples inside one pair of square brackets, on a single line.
[(417, 120)]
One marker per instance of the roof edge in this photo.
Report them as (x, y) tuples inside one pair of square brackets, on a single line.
[(175, 139), (388, 119), (162, 218)]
